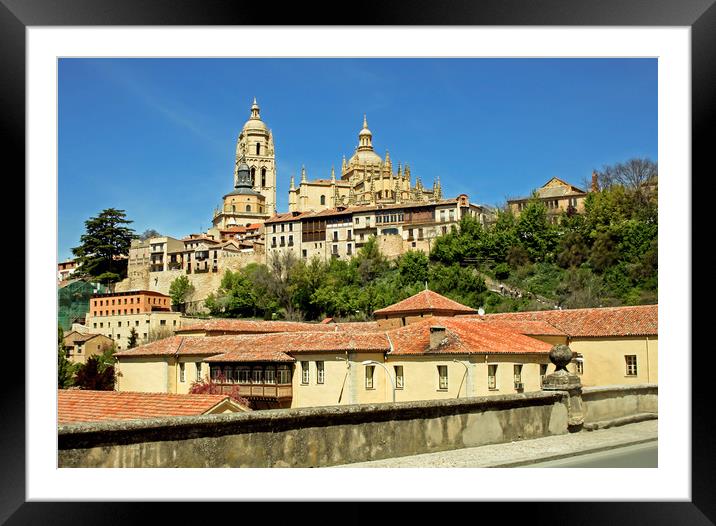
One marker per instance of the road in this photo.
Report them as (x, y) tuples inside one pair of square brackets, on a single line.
[(631, 445), (644, 455)]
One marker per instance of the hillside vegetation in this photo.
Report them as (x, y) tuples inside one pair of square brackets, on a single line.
[(606, 256)]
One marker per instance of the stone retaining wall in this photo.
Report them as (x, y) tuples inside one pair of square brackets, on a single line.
[(326, 436)]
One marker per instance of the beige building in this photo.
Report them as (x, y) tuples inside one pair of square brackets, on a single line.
[(366, 179), (341, 232), (149, 313), (614, 345), (80, 347), (557, 195)]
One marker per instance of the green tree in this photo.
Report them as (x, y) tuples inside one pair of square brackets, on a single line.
[(413, 268), (105, 241), (65, 369), (132, 338), (234, 298), (534, 231), (179, 290), (95, 375)]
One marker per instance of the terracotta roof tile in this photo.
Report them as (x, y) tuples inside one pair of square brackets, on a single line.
[(426, 301), (276, 347), (638, 320), (76, 405), (241, 326), (464, 336)]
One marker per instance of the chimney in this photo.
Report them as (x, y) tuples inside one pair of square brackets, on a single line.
[(437, 336), (595, 181)]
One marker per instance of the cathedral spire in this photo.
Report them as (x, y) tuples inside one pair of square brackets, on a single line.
[(293, 183), (333, 174), (255, 110), (303, 173)]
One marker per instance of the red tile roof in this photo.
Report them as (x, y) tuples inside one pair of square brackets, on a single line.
[(180, 345), (237, 326), (276, 347), (426, 301), (527, 327), (76, 405), (463, 336), (638, 320)]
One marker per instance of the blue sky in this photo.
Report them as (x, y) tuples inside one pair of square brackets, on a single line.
[(157, 137)]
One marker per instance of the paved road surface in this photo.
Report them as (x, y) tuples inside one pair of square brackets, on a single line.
[(552, 448), (644, 455)]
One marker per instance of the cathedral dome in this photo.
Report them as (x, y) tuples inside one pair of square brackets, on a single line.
[(255, 123), (364, 152), (366, 156)]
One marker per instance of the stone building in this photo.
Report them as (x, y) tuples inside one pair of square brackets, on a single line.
[(557, 195), (244, 205), (79, 347), (439, 352), (366, 179), (255, 147), (340, 232)]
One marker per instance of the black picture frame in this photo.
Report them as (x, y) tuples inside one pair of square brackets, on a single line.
[(699, 15)]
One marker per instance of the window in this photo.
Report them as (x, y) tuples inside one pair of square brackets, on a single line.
[(253, 175), (258, 148), (290, 241), (284, 374), (101, 325), (580, 365), (182, 377), (323, 199), (369, 370), (320, 373), (357, 220), (263, 176), (136, 323), (244, 375), (492, 377), (257, 375), (304, 253), (95, 325), (349, 249), (305, 373), (442, 377), (335, 235), (198, 371), (399, 379), (162, 322), (248, 208), (518, 376), (630, 364), (270, 375)]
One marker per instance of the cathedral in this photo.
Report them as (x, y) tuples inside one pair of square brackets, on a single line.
[(366, 179), (253, 199)]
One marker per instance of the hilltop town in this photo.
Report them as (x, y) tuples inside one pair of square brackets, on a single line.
[(372, 288)]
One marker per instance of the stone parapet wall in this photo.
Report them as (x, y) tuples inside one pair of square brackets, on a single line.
[(333, 435), (313, 437), (618, 401)]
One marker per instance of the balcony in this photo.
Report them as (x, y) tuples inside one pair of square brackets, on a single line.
[(260, 391)]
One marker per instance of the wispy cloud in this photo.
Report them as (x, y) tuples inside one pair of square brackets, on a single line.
[(174, 111)]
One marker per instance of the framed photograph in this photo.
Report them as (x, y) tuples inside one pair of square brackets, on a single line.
[(37, 36)]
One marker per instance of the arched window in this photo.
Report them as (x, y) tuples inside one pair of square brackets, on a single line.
[(323, 199), (258, 148), (253, 176), (263, 176), (248, 208)]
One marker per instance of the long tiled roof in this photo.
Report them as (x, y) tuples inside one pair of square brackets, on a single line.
[(239, 326), (638, 320), (426, 301), (76, 405), (172, 345), (276, 347), (463, 336)]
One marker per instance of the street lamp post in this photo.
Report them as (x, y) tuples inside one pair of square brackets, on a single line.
[(387, 373)]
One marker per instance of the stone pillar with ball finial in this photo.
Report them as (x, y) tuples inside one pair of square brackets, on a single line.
[(562, 380)]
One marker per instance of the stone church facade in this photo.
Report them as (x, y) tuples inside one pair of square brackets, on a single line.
[(366, 179)]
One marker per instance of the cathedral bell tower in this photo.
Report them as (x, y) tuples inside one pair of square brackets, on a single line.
[(255, 145)]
